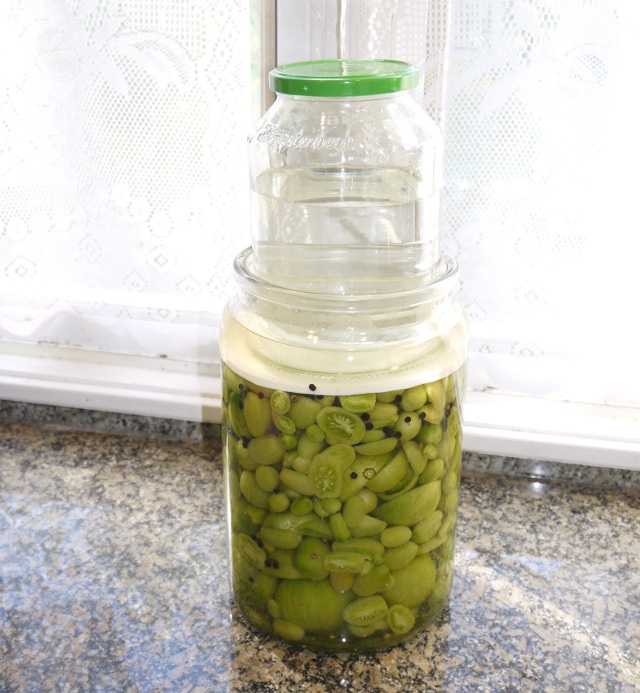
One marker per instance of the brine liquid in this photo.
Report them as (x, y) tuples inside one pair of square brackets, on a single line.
[(316, 225), (265, 357)]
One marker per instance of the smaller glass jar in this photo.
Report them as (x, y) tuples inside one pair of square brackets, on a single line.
[(345, 177)]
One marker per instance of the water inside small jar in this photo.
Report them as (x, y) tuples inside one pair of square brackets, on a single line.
[(344, 230)]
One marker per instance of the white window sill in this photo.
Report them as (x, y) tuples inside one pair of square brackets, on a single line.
[(110, 382), (531, 428), (497, 424)]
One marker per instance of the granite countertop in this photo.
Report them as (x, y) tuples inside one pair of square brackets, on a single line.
[(113, 577)]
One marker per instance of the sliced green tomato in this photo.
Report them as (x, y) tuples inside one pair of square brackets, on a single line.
[(313, 605), (339, 527), (453, 422), (297, 481), (327, 468), (329, 506), (251, 491), (391, 474), (284, 424), (365, 611), (400, 619), (309, 525), (367, 526), (362, 631), (433, 471), (301, 464), (411, 507), (253, 553), (436, 395), (314, 433), (431, 544), (309, 558), (280, 564), (369, 498), (390, 396), (378, 447), (341, 582), (351, 562), (383, 414), (264, 586), (267, 478), (326, 476), (314, 526), (430, 452), (400, 556), (354, 509), (257, 414), (413, 583), (413, 398), (235, 416), (278, 502), (255, 514), (280, 402), (266, 450), (413, 451), (430, 434), (341, 426), (408, 482), (359, 404), (301, 505), (364, 468), (395, 536), (344, 455), (377, 580), (369, 547), (289, 442), (309, 446), (408, 425), (303, 411), (427, 529), (281, 538), (243, 457), (287, 630), (373, 436), (272, 606)]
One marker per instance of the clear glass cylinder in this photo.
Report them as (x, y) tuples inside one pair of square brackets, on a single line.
[(345, 190), (342, 443)]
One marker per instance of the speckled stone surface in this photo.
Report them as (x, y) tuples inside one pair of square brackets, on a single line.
[(113, 578), (106, 422)]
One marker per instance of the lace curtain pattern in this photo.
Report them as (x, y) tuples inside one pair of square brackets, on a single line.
[(123, 177), (122, 171), (538, 109), (538, 206)]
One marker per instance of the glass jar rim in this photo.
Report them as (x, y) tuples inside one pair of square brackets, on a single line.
[(441, 285), (343, 78)]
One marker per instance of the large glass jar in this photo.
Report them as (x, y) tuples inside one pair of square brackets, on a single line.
[(343, 380)]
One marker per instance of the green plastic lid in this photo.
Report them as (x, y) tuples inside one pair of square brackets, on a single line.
[(341, 78)]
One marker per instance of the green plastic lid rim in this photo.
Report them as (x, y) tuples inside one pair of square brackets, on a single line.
[(340, 78)]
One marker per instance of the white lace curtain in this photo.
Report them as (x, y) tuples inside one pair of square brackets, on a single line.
[(539, 111), (123, 179), (122, 171), (539, 207)]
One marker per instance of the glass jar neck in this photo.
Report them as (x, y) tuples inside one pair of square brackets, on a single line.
[(389, 314)]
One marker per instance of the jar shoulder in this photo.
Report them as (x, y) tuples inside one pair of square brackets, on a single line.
[(265, 352)]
